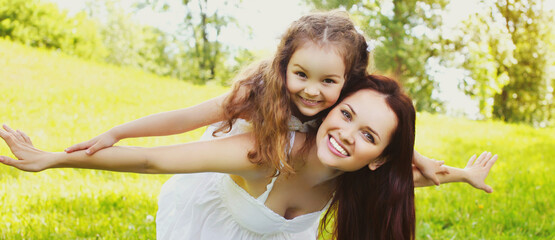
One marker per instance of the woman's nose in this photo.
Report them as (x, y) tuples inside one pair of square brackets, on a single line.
[(346, 136)]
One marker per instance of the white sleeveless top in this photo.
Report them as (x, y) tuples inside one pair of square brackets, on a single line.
[(212, 206)]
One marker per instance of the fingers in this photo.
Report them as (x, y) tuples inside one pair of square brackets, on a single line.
[(481, 159), (471, 160), (431, 176), (443, 170), (8, 161), (7, 136), (8, 129), (94, 148), (77, 147), (20, 164), (487, 188), (491, 161), (13, 133), (486, 160), (435, 179), (26, 138)]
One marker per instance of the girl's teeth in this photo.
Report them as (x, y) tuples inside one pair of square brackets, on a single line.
[(310, 101), (337, 146)]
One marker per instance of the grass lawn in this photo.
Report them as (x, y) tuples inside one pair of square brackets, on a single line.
[(60, 100)]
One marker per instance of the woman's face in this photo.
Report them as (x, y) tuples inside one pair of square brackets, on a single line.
[(314, 78), (356, 132)]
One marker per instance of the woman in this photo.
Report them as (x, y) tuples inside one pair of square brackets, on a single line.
[(359, 170)]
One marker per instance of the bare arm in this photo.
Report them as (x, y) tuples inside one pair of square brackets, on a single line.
[(227, 155), (429, 168), (160, 124), (173, 122), (474, 173)]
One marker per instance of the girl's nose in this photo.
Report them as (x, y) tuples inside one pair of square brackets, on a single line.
[(311, 91)]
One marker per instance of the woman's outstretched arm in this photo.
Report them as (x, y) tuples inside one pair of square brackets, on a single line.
[(475, 173), (227, 155)]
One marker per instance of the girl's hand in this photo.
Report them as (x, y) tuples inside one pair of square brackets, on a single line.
[(30, 158), (477, 170), (99, 142), (429, 168)]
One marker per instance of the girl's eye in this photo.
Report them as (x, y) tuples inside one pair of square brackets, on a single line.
[(327, 80), (346, 114), (301, 74), (368, 136)]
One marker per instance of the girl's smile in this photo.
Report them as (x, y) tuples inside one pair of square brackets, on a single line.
[(314, 78)]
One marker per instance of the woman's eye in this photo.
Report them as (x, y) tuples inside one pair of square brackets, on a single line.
[(301, 74), (327, 80), (368, 136), (346, 114)]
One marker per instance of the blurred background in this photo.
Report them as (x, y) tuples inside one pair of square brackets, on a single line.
[(481, 74), (478, 59)]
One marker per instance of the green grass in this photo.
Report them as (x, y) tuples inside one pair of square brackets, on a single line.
[(59, 101)]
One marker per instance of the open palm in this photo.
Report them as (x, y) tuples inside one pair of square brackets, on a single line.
[(29, 158)]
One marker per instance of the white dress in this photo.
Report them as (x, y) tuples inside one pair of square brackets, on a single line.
[(212, 206)]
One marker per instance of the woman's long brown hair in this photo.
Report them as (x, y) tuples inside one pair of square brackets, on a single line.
[(260, 94), (379, 204)]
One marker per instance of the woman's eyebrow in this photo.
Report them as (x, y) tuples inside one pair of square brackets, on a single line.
[(351, 108), (368, 127)]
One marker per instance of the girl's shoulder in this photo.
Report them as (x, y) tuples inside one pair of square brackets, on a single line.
[(298, 141)]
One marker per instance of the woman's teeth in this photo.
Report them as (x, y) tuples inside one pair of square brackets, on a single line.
[(337, 146)]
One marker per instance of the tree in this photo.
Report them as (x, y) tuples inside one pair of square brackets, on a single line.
[(39, 24), (507, 58), (408, 32), (205, 56), (129, 43)]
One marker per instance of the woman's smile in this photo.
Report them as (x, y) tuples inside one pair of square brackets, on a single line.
[(336, 147)]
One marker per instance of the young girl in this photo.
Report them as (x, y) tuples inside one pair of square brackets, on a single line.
[(359, 169), (320, 56)]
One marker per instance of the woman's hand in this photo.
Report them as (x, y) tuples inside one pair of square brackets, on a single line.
[(99, 142), (29, 158), (478, 169)]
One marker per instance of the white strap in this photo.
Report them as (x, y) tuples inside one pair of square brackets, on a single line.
[(262, 198)]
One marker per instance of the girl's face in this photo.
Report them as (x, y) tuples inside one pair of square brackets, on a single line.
[(314, 78), (356, 132)]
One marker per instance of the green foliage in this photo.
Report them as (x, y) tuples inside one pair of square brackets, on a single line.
[(60, 100), (40, 24), (203, 26), (507, 56), (200, 56), (484, 46), (129, 43), (195, 54), (522, 99), (407, 34)]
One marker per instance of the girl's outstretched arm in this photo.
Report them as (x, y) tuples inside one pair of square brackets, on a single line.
[(160, 124), (227, 155), (475, 173), (429, 168)]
